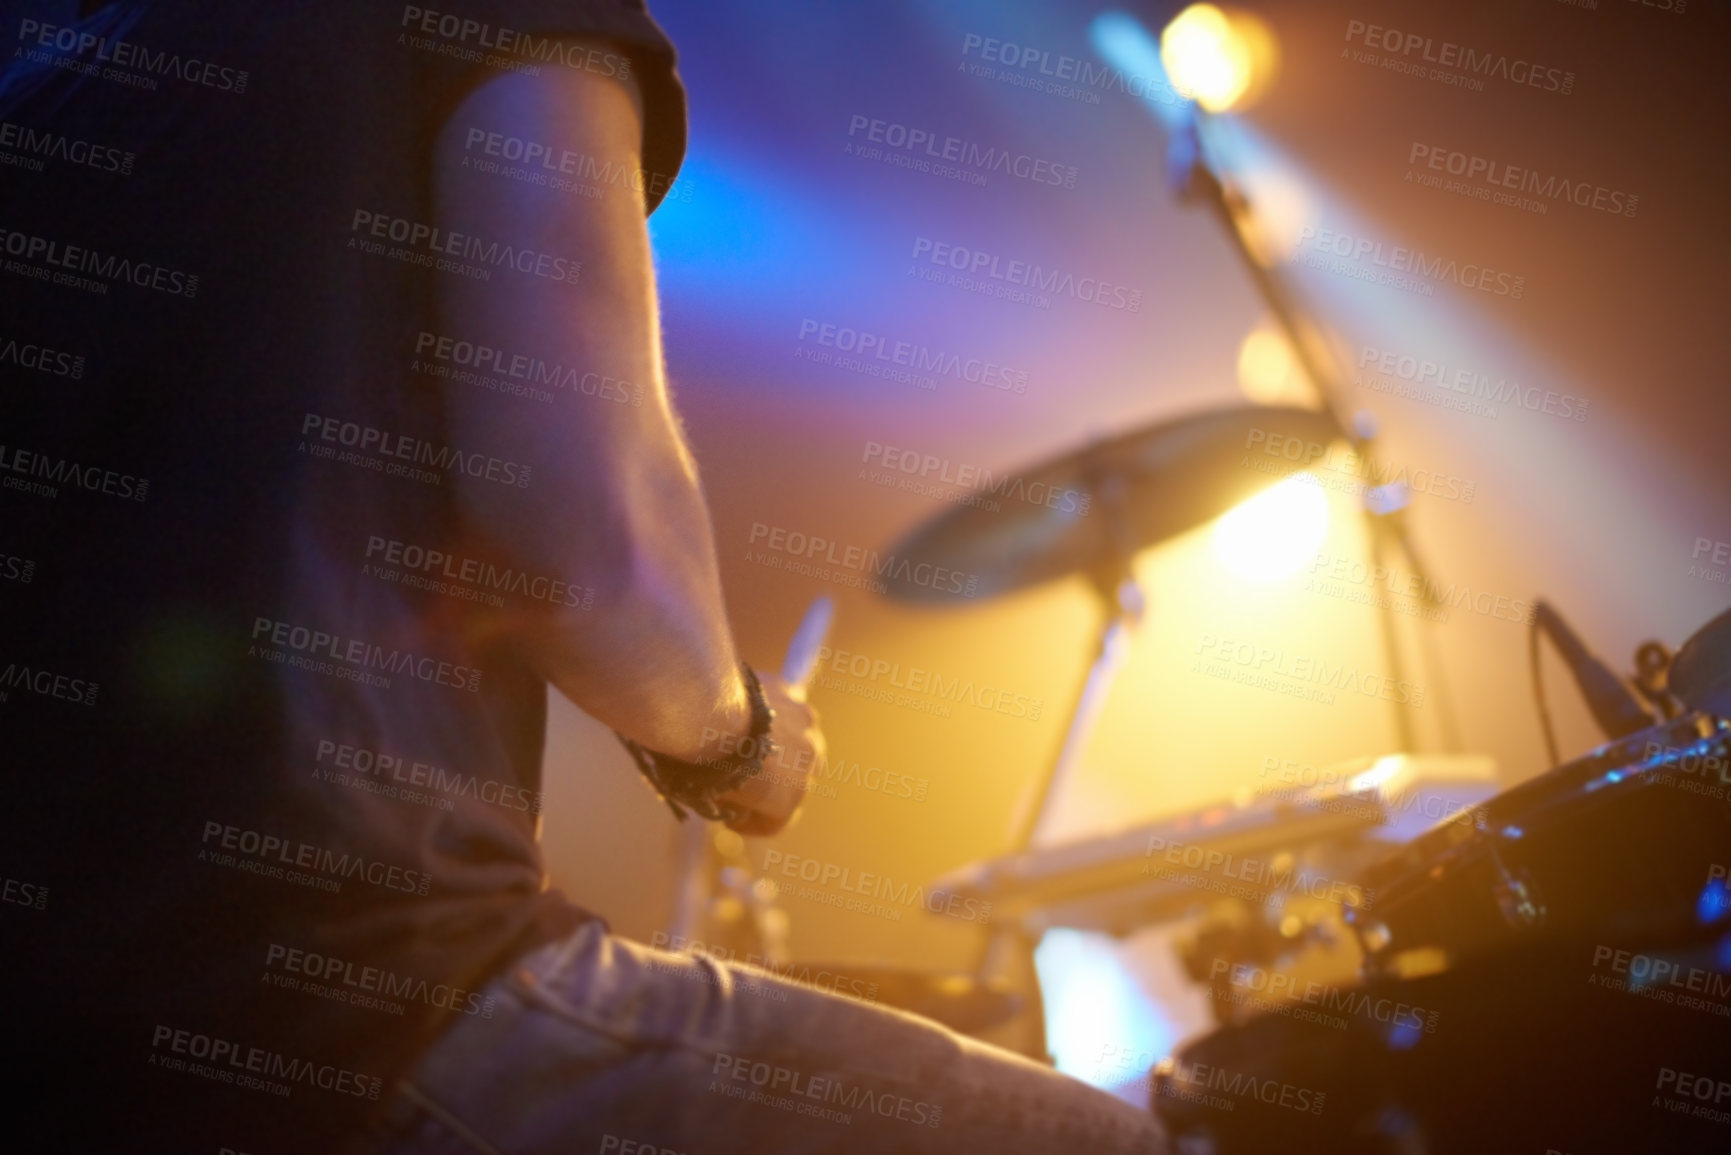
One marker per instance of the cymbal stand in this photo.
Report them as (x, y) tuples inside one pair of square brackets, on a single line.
[(1007, 951), (1121, 606)]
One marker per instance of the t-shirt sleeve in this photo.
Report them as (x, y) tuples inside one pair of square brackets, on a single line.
[(483, 38)]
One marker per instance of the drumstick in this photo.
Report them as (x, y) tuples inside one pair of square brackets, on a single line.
[(797, 668), (802, 652)]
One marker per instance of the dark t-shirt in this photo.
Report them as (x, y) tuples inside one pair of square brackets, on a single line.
[(272, 782)]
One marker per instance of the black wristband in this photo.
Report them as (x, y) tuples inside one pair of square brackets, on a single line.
[(698, 785)]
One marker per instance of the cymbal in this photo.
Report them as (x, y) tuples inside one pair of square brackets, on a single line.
[(1162, 869), (1701, 672), (1116, 882), (1087, 511)]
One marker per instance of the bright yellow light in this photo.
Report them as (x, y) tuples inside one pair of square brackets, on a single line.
[(1283, 206), (1267, 370), (1273, 534), (1215, 58)]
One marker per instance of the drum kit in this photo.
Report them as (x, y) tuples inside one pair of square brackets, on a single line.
[(1556, 946), (1413, 880), (1409, 880)]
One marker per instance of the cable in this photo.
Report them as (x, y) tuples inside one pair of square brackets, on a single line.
[(1539, 693)]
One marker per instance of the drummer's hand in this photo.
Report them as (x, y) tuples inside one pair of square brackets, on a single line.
[(773, 797)]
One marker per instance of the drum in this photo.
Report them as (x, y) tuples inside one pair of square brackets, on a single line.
[(1550, 966), (1623, 841)]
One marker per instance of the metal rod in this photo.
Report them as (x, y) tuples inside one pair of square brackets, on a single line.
[(1234, 212)]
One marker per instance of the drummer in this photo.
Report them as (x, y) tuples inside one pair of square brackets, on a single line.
[(581, 1037)]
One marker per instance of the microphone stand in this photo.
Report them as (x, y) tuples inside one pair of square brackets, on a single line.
[(1196, 179), (1006, 952)]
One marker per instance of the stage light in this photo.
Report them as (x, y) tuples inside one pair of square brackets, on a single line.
[(1273, 534), (1220, 60), (1130, 48)]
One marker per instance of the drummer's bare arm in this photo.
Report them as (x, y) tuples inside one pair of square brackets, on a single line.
[(615, 504)]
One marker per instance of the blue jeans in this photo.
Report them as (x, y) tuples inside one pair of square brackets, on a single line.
[(599, 1044)]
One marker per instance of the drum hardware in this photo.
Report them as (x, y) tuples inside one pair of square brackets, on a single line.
[(1233, 940), (722, 903), (1652, 678), (1515, 895), (1700, 673), (1615, 705)]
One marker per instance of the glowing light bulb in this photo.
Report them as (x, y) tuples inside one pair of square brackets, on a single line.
[(1216, 59), (1272, 535)]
